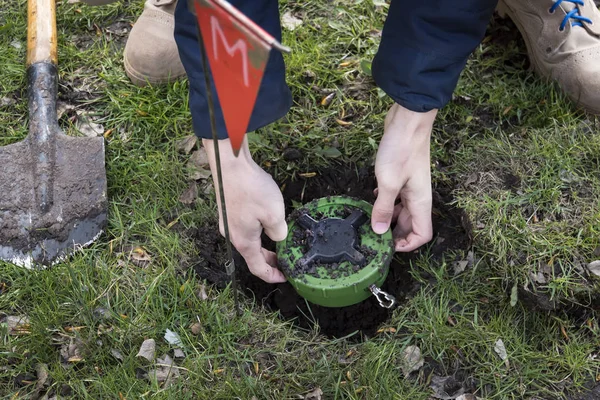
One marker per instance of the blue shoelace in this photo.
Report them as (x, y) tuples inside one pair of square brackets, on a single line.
[(573, 14)]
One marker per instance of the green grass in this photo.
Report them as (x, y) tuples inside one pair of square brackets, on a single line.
[(521, 160)]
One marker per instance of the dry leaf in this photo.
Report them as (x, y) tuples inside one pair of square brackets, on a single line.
[(594, 267), (202, 293), (446, 387), (178, 353), (389, 329), (196, 328), (166, 371), (172, 338), (86, 125), (412, 360), (18, 325), (308, 174), (198, 166), (459, 266), (186, 144), (7, 101), (72, 352), (289, 22), (116, 354), (327, 99), (467, 396), (42, 377), (147, 349), (315, 394), (190, 194), (342, 123), (140, 257), (63, 107), (501, 351)]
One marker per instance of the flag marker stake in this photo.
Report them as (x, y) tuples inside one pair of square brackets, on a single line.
[(230, 264), (262, 40)]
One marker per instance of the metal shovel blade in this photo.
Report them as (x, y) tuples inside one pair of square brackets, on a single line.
[(30, 237), (52, 186)]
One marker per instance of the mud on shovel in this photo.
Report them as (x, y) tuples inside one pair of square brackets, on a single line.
[(52, 186)]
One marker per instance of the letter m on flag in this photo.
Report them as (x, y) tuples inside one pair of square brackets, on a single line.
[(237, 50)]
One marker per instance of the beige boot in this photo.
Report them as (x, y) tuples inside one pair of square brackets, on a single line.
[(151, 54), (563, 42)]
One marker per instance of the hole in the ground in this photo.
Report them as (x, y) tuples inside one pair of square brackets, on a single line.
[(365, 317)]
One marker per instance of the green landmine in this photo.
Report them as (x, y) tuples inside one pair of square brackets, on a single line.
[(328, 262)]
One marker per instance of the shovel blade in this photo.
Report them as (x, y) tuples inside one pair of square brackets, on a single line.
[(77, 216)]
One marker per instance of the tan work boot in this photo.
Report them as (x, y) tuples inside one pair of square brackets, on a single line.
[(563, 42), (151, 54)]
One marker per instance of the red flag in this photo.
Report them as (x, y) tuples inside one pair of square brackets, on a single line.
[(237, 50)]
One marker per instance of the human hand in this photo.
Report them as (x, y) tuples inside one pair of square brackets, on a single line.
[(254, 202), (403, 172)]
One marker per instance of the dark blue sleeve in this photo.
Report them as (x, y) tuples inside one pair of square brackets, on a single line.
[(424, 48)]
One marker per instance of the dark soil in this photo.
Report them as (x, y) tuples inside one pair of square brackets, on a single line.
[(364, 317)]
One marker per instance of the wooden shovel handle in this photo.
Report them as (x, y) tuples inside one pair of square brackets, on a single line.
[(41, 31)]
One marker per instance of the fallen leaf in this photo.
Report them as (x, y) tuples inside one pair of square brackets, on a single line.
[(446, 387), (178, 353), (308, 174), (460, 266), (16, 44), (63, 107), (315, 394), (116, 354), (290, 22), (594, 267), (18, 325), (196, 328), (72, 352), (202, 293), (411, 361), (343, 123), (172, 338), (190, 194), (42, 377), (6, 101), (198, 166), (501, 351), (147, 349), (166, 371), (186, 144), (327, 99), (87, 125), (140, 257), (389, 329)]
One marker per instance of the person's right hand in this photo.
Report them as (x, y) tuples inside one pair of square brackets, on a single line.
[(254, 202), (403, 172)]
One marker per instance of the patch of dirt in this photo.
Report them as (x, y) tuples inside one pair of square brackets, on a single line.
[(364, 317)]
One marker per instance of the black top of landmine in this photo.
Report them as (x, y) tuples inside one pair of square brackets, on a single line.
[(333, 240)]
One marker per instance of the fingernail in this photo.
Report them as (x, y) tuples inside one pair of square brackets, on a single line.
[(380, 227)]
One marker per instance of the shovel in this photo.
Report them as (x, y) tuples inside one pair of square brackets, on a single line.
[(52, 186)]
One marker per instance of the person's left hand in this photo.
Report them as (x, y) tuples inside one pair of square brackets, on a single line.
[(403, 172)]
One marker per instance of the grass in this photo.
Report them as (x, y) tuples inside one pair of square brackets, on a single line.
[(521, 160)]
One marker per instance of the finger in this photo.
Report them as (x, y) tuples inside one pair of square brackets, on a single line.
[(383, 210), (422, 228), (270, 257), (257, 263), (403, 224), (275, 226)]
